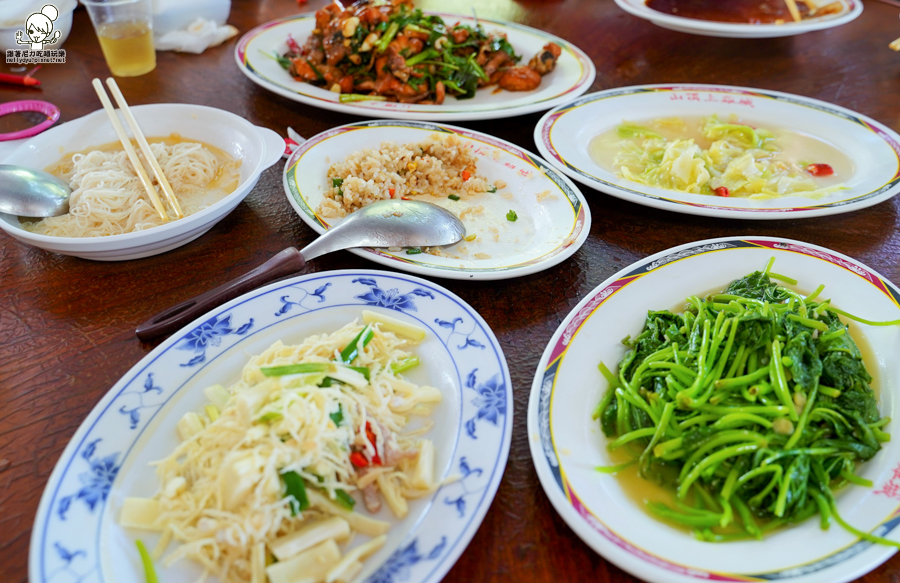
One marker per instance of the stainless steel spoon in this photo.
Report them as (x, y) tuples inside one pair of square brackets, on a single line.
[(389, 223), (31, 193)]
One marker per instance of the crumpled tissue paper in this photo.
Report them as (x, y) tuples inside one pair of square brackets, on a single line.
[(199, 36)]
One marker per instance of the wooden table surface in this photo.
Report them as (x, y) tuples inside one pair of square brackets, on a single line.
[(66, 324)]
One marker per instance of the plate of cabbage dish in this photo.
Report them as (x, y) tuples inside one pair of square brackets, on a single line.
[(739, 427), (335, 427), (723, 151)]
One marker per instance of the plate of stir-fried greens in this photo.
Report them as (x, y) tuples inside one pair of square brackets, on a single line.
[(386, 58), (722, 410)]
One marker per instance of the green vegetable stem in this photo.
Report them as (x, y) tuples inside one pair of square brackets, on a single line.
[(752, 406)]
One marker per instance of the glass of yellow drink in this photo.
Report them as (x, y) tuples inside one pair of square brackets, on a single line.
[(125, 31)]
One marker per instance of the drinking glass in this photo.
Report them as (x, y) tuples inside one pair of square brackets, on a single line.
[(125, 31)]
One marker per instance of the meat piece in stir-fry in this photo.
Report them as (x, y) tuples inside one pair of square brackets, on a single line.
[(388, 50), (519, 78), (545, 61)]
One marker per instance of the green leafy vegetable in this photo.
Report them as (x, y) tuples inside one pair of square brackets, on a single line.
[(758, 400)]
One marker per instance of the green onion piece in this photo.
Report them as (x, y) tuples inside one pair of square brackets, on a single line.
[(387, 37), (354, 97), (512, 216), (319, 75), (413, 251), (149, 571), (344, 499), (338, 415), (352, 350), (294, 486), (452, 197), (492, 189), (336, 182), (284, 62), (405, 364), (304, 367), (423, 56)]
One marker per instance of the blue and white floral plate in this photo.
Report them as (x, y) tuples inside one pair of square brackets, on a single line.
[(76, 536), (568, 443)]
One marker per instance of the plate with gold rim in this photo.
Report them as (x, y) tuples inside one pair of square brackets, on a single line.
[(867, 151), (573, 75), (567, 444), (536, 218)]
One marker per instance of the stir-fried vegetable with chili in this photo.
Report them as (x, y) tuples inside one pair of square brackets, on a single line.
[(387, 50), (753, 405)]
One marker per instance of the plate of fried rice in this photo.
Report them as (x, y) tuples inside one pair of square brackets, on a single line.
[(521, 215)]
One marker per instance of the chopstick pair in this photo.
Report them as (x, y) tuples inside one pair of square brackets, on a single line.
[(142, 143)]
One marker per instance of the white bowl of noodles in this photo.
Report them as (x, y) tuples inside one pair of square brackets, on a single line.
[(254, 148)]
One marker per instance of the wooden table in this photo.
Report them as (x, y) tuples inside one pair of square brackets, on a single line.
[(66, 324)]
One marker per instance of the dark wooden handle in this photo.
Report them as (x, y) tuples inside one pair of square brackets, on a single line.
[(284, 263)]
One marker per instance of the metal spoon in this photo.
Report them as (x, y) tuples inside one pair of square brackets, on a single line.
[(389, 223), (31, 193)]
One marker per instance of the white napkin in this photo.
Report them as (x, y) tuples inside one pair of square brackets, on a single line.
[(198, 37)]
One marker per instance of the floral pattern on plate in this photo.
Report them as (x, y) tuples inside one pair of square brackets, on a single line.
[(72, 540)]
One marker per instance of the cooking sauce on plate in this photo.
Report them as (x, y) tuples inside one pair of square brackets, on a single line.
[(738, 11)]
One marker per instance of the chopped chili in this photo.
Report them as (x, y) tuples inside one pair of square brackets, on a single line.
[(358, 460), (820, 169), (722, 191)]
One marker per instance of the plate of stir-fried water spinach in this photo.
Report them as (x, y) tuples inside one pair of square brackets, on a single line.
[(724, 408), (391, 59)]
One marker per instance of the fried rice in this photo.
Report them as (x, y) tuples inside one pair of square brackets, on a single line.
[(439, 166)]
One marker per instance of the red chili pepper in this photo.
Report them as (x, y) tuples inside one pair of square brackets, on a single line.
[(820, 169), (292, 45), (370, 435), (391, 191), (722, 191), (405, 198), (358, 459)]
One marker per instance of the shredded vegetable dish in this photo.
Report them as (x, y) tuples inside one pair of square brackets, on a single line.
[(264, 485), (752, 407), (738, 161), (389, 51)]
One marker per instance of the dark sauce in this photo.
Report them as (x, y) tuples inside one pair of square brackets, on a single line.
[(740, 11)]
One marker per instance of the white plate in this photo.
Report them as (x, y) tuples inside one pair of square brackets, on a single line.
[(258, 148), (564, 134), (546, 232), (851, 9), (76, 536), (573, 75), (566, 444)]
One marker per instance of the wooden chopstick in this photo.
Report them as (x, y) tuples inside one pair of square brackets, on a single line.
[(792, 8), (129, 150), (895, 45), (145, 147)]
